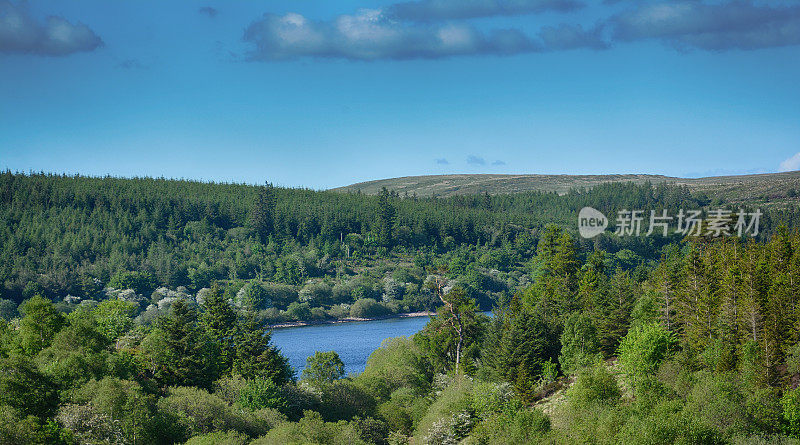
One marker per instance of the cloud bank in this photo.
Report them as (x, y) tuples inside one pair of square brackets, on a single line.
[(437, 29), (790, 164), (435, 10), (21, 34), (371, 35), (742, 25)]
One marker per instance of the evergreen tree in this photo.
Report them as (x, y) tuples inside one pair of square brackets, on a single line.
[(218, 320), (386, 218), (262, 212), (255, 357), (183, 354)]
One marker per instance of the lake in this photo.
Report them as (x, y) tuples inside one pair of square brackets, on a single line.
[(353, 341)]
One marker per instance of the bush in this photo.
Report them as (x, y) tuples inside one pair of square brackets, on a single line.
[(791, 411), (196, 411), (344, 400), (448, 417), (298, 311), (220, 438), (261, 393), (397, 363), (316, 293), (643, 349), (124, 403), (580, 347), (368, 308), (311, 429), (141, 282), (252, 297), (323, 367), (519, 427), (594, 385)]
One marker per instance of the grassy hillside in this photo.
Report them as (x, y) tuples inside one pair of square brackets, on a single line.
[(773, 187)]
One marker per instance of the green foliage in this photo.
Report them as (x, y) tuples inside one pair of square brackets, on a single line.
[(517, 427), (579, 345), (398, 363), (323, 368), (791, 411), (18, 429), (449, 417), (114, 317), (121, 402), (368, 308), (25, 388), (262, 211), (40, 323), (643, 349), (454, 334), (220, 438), (141, 282), (178, 351), (518, 345), (261, 393), (252, 297), (594, 385), (256, 357), (218, 321), (195, 411), (312, 429)]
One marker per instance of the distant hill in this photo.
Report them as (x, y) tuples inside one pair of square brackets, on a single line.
[(770, 187)]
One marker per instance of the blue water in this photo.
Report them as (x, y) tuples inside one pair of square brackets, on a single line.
[(354, 341)]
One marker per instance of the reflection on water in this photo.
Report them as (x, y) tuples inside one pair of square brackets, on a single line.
[(354, 341)]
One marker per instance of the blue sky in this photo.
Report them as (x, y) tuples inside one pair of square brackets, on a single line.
[(321, 94)]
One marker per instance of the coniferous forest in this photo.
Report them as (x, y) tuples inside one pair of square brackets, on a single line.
[(139, 311)]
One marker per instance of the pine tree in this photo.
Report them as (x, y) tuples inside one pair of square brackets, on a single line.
[(262, 212), (386, 217), (188, 348), (255, 357), (219, 322)]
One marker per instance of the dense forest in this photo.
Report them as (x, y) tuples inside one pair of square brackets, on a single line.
[(134, 311)]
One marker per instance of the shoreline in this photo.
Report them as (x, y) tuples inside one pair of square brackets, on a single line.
[(297, 324)]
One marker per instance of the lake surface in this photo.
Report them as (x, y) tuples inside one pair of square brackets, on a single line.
[(353, 341)]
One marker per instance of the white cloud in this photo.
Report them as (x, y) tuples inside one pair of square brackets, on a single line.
[(790, 164), (20, 33), (370, 35)]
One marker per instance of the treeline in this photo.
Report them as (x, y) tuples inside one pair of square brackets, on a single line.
[(60, 233)]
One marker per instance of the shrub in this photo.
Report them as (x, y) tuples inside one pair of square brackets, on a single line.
[(448, 416), (123, 402), (311, 429), (141, 282), (368, 308), (220, 438), (594, 385), (643, 349), (261, 393), (580, 347), (323, 367), (252, 297), (519, 427), (344, 400), (791, 411), (316, 293), (397, 363), (196, 411), (298, 311)]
